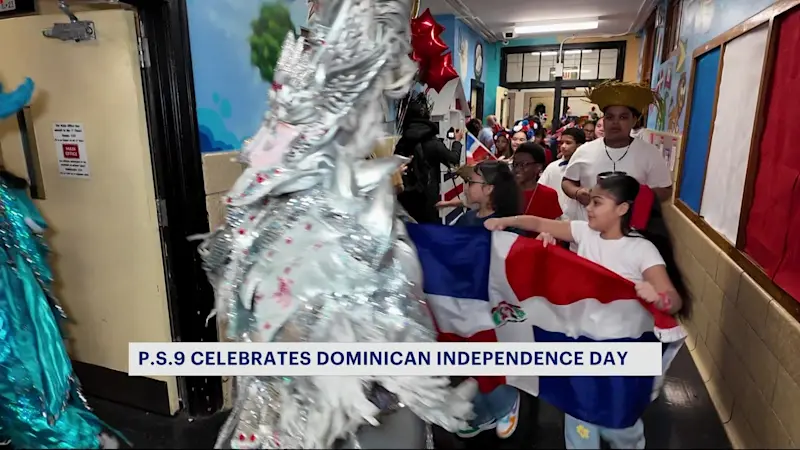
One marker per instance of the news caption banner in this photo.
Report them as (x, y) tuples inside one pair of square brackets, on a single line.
[(394, 359)]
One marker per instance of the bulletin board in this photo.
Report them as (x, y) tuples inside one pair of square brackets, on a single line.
[(737, 101), (739, 168), (698, 131)]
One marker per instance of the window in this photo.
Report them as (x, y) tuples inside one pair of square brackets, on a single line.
[(590, 64), (514, 68), (608, 63), (535, 67), (548, 66), (672, 28), (740, 171), (530, 70)]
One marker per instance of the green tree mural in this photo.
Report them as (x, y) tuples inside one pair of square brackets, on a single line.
[(269, 30)]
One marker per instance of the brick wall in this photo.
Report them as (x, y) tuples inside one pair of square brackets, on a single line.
[(745, 345)]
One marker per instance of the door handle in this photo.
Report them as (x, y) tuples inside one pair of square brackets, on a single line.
[(31, 151)]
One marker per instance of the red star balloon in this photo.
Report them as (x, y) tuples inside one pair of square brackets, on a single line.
[(440, 70), (425, 33)]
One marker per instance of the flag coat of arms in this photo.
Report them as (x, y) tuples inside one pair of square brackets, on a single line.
[(486, 287)]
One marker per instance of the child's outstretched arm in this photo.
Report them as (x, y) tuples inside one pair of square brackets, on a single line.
[(559, 229), (658, 289)]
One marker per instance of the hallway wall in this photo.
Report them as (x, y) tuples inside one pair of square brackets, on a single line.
[(744, 343)]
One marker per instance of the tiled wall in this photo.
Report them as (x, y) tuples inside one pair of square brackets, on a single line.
[(745, 345)]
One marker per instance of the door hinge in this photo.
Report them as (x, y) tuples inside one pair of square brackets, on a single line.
[(144, 52), (161, 212)]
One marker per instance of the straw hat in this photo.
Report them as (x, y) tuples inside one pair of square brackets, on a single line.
[(617, 93)]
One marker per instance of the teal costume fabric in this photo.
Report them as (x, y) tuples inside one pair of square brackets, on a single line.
[(40, 402)]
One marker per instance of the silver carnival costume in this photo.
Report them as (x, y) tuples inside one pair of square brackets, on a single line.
[(312, 250)]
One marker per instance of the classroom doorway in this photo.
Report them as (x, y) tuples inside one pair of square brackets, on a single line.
[(476, 99), (110, 147)]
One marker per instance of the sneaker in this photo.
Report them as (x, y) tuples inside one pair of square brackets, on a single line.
[(475, 430), (508, 424)]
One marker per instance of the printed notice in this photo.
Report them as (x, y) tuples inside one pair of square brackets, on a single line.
[(8, 5), (71, 149)]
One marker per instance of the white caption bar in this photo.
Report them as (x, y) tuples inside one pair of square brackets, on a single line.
[(401, 359)]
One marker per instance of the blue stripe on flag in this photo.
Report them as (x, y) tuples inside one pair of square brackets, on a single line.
[(453, 215), (611, 402), (471, 140), (455, 260)]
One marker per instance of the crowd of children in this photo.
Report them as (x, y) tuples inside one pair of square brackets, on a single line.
[(585, 197)]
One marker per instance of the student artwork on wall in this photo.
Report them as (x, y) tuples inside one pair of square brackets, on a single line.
[(700, 21), (235, 45), (737, 101)]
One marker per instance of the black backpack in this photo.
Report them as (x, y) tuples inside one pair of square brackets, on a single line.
[(417, 176)]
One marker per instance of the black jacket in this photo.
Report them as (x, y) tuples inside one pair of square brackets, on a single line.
[(421, 206)]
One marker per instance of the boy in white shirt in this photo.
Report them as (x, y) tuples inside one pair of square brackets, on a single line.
[(553, 174), (617, 151)]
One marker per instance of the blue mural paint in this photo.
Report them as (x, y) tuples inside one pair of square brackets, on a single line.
[(462, 42), (699, 132), (230, 91), (701, 21)]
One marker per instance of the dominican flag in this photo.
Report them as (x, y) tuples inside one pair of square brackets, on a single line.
[(476, 152), (487, 287)]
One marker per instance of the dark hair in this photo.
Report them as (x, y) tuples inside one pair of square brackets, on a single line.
[(474, 127), (535, 150), (12, 180), (539, 132), (506, 198), (416, 107), (507, 152), (625, 189), (576, 133)]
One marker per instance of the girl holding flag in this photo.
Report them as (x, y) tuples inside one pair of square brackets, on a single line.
[(607, 239), (491, 187)]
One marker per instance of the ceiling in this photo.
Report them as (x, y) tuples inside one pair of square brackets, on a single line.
[(492, 18)]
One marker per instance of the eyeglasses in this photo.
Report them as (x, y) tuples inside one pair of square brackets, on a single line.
[(521, 165)]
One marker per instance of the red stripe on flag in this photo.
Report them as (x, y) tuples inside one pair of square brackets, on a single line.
[(563, 278), (486, 384), (455, 192)]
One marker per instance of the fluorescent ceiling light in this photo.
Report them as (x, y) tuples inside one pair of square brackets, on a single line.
[(577, 52), (556, 27), (549, 53)]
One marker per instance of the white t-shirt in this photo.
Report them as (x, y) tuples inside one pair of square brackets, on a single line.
[(628, 257), (643, 162), (552, 176)]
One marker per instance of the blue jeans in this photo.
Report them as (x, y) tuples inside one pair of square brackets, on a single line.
[(495, 405), (585, 436)]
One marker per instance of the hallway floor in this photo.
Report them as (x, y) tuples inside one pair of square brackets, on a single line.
[(683, 417)]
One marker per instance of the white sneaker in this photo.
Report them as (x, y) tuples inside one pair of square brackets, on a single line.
[(475, 430), (508, 424)]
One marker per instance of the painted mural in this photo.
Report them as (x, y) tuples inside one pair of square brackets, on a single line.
[(235, 46), (468, 47), (701, 21)]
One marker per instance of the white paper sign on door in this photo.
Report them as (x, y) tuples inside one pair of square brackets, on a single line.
[(71, 150), (8, 5)]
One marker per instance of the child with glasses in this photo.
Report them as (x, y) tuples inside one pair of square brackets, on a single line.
[(492, 189)]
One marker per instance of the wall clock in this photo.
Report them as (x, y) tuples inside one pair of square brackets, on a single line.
[(478, 60)]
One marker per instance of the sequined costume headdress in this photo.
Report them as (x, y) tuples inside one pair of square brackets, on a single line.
[(312, 249)]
